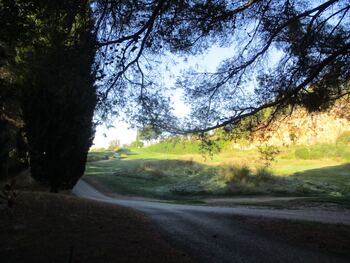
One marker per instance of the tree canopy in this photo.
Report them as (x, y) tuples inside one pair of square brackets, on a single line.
[(149, 133), (286, 53)]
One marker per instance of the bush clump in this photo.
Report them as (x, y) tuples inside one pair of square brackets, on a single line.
[(98, 156), (302, 153), (344, 138), (245, 176)]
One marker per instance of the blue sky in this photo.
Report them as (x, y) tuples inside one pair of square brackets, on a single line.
[(207, 62)]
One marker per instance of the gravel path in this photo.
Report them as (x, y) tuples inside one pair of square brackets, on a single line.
[(213, 235)]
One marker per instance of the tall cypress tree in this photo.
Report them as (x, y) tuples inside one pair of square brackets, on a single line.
[(58, 92)]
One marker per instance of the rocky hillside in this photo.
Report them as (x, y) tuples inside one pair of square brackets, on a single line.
[(306, 128)]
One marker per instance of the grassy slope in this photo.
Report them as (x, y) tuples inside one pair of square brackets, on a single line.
[(165, 172), (44, 227)]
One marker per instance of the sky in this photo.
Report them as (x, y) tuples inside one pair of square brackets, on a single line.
[(206, 62)]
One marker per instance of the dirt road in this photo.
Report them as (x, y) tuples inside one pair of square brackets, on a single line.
[(212, 234)]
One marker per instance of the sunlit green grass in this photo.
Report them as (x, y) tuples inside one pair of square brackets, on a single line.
[(283, 167), (158, 171)]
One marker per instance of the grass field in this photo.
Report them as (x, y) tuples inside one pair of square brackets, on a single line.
[(180, 172)]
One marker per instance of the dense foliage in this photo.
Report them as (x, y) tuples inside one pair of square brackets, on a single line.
[(59, 98), (53, 72), (15, 32)]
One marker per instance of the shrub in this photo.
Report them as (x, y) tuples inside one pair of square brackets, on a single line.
[(137, 144), (302, 153), (227, 172), (242, 174), (263, 175), (95, 156), (234, 174), (344, 138), (268, 154), (114, 145), (124, 150)]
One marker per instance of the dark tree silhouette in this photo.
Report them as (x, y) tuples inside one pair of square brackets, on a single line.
[(13, 34), (59, 94), (54, 48), (294, 52)]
